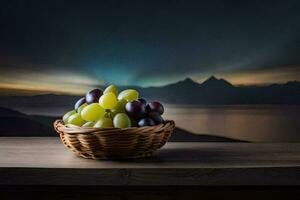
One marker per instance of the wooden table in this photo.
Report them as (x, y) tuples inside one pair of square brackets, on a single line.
[(45, 161)]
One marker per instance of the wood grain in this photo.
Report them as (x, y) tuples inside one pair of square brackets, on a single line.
[(45, 161)]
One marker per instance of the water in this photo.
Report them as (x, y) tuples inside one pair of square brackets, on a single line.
[(261, 123), (252, 123)]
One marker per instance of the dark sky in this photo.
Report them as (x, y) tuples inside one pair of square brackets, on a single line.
[(148, 42)]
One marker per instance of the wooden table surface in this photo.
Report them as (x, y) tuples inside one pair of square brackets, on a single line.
[(45, 161)]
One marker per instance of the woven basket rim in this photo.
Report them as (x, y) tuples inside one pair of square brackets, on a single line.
[(72, 129)]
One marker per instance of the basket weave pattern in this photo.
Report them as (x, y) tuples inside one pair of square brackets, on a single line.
[(114, 143)]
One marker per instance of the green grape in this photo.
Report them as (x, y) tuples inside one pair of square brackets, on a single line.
[(108, 114), (81, 107), (104, 123), (75, 119), (113, 113), (121, 120), (111, 88), (88, 124), (67, 115), (129, 95), (120, 107), (92, 112), (108, 100)]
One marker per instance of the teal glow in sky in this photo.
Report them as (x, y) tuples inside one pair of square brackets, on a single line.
[(147, 43)]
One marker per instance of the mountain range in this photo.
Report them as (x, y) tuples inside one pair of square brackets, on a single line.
[(212, 91), (221, 92)]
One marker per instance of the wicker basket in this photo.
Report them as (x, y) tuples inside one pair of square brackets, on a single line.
[(114, 143)]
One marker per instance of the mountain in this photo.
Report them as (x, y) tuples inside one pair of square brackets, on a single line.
[(213, 82), (14, 123), (5, 112), (50, 100), (186, 83), (212, 91)]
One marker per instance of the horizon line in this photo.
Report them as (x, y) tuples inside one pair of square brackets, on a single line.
[(6, 91)]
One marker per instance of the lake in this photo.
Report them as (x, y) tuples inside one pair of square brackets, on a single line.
[(258, 123)]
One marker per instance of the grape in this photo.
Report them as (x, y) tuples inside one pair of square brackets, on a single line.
[(67, 115), (81, 108), (146, 122), (113, 114), (143, 101), (107, 114), (104, 109), (93, 96), (108, 100), (155, 106), (75, 119), (104, 123), (129, 95), (88, 124), (135, 109), (79, 103), (120, 107), (111, 88), (121, 120), (92, 112), (156, 117)]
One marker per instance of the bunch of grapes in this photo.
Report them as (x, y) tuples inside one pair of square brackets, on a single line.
[(107, 109)]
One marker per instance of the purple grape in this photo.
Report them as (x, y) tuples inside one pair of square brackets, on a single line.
[(143, 101), (146, 122), (156, 117), (155, 106), (135, 109), (79, 103), (93, 96)]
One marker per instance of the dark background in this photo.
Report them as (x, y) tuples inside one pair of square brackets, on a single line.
[(67, 47)]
